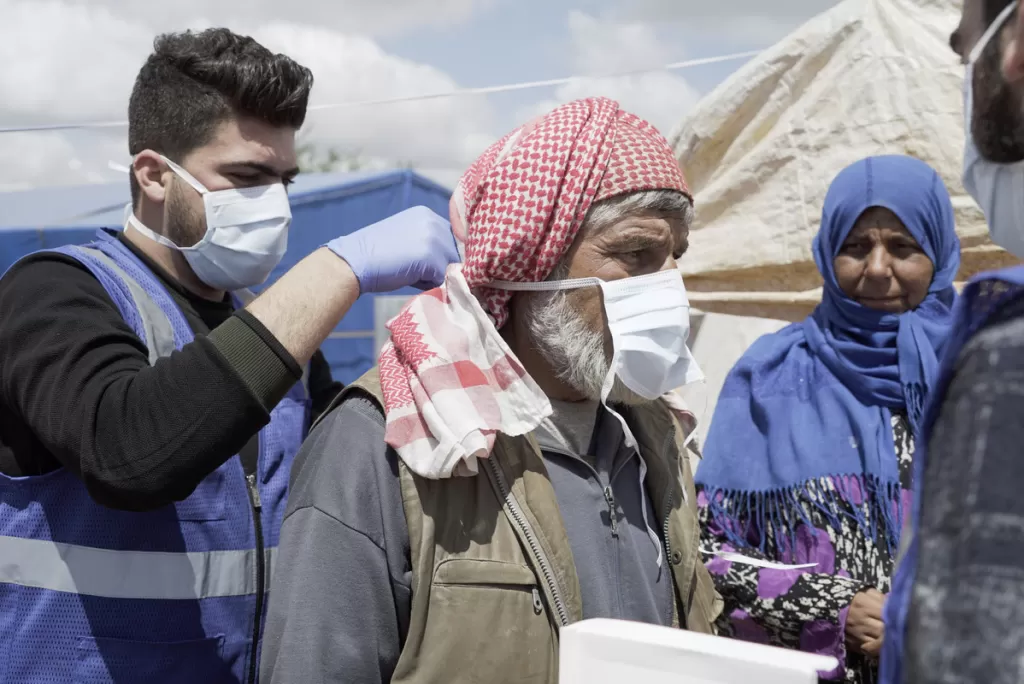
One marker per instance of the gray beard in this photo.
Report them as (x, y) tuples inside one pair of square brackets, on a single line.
[(575, 351)]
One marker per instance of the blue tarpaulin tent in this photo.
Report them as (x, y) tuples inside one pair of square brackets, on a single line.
[(324, 206)]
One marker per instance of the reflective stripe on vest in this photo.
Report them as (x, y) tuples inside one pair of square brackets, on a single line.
[(129, 574), (158, 333)]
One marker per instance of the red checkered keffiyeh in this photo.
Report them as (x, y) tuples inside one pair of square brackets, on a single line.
[(450, 382)]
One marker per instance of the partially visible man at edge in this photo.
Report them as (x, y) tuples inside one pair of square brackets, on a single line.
[(956, 613), (405, 557), (134, 546)]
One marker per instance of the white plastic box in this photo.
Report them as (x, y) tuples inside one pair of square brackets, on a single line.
[(619, 652)]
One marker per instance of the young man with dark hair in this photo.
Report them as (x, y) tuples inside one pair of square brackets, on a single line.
[(956, 613), (134, 545)]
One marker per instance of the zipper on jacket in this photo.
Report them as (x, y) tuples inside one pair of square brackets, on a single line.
[(609, 494), (667, 518), (669, 559), (668, 563), (538, 605), (609, 497), (519, 519), (257, 507)]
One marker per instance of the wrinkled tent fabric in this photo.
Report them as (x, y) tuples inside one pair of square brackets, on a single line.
[(867, 77)]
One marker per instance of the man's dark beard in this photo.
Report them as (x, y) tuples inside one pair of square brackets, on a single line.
[(998, 118), (184, 227)]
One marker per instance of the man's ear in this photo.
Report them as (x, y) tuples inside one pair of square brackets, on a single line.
[(150, 173)]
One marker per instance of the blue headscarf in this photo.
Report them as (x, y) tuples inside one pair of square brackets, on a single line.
[(814, 400)]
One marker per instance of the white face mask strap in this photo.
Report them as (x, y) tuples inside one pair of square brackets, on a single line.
[(994, 28), (545, 286), (185, 176), (130, 219), (577, 283)]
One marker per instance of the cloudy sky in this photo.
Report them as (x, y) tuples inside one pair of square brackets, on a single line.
[(75, 61)]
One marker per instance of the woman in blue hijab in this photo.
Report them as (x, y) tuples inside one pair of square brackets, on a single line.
[(808, 458)]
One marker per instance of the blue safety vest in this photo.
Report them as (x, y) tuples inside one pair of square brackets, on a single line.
[(89, 594)]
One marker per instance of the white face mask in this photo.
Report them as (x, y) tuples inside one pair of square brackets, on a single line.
[(649, 321), (997, 188), (246, 233)]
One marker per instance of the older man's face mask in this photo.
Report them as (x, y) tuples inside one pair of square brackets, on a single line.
[(615, 329)]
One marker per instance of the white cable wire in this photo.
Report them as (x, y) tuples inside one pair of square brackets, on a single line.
[(460, 92)]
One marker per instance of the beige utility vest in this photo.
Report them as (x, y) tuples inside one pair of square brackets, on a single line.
[(493, 578)]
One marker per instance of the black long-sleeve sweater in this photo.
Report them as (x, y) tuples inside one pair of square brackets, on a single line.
[(77, 390)]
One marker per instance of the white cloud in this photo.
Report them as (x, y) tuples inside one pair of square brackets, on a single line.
[(70, 62), (754, 22), (725, 9), (376, 17), (66, 62), (356, 69), (601, 46)]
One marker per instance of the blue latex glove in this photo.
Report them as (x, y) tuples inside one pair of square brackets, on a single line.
[(411, 248)]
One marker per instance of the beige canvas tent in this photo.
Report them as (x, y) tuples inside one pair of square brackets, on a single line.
[(866, 77)]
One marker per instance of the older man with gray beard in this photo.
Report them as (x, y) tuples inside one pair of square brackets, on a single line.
[(511, 467)]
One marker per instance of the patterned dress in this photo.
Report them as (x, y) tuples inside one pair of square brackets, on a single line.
[(807, 610)]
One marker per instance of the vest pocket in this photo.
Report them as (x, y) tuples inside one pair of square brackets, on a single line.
[(485, 625), (108, 661), (477, 572)]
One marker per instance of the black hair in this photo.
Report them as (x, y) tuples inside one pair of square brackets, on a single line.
[(194, 81)]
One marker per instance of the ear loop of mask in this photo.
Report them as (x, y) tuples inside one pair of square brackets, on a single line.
[(993, 28), (186, 176), (545, 285), (132, 221), (572, 283)]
